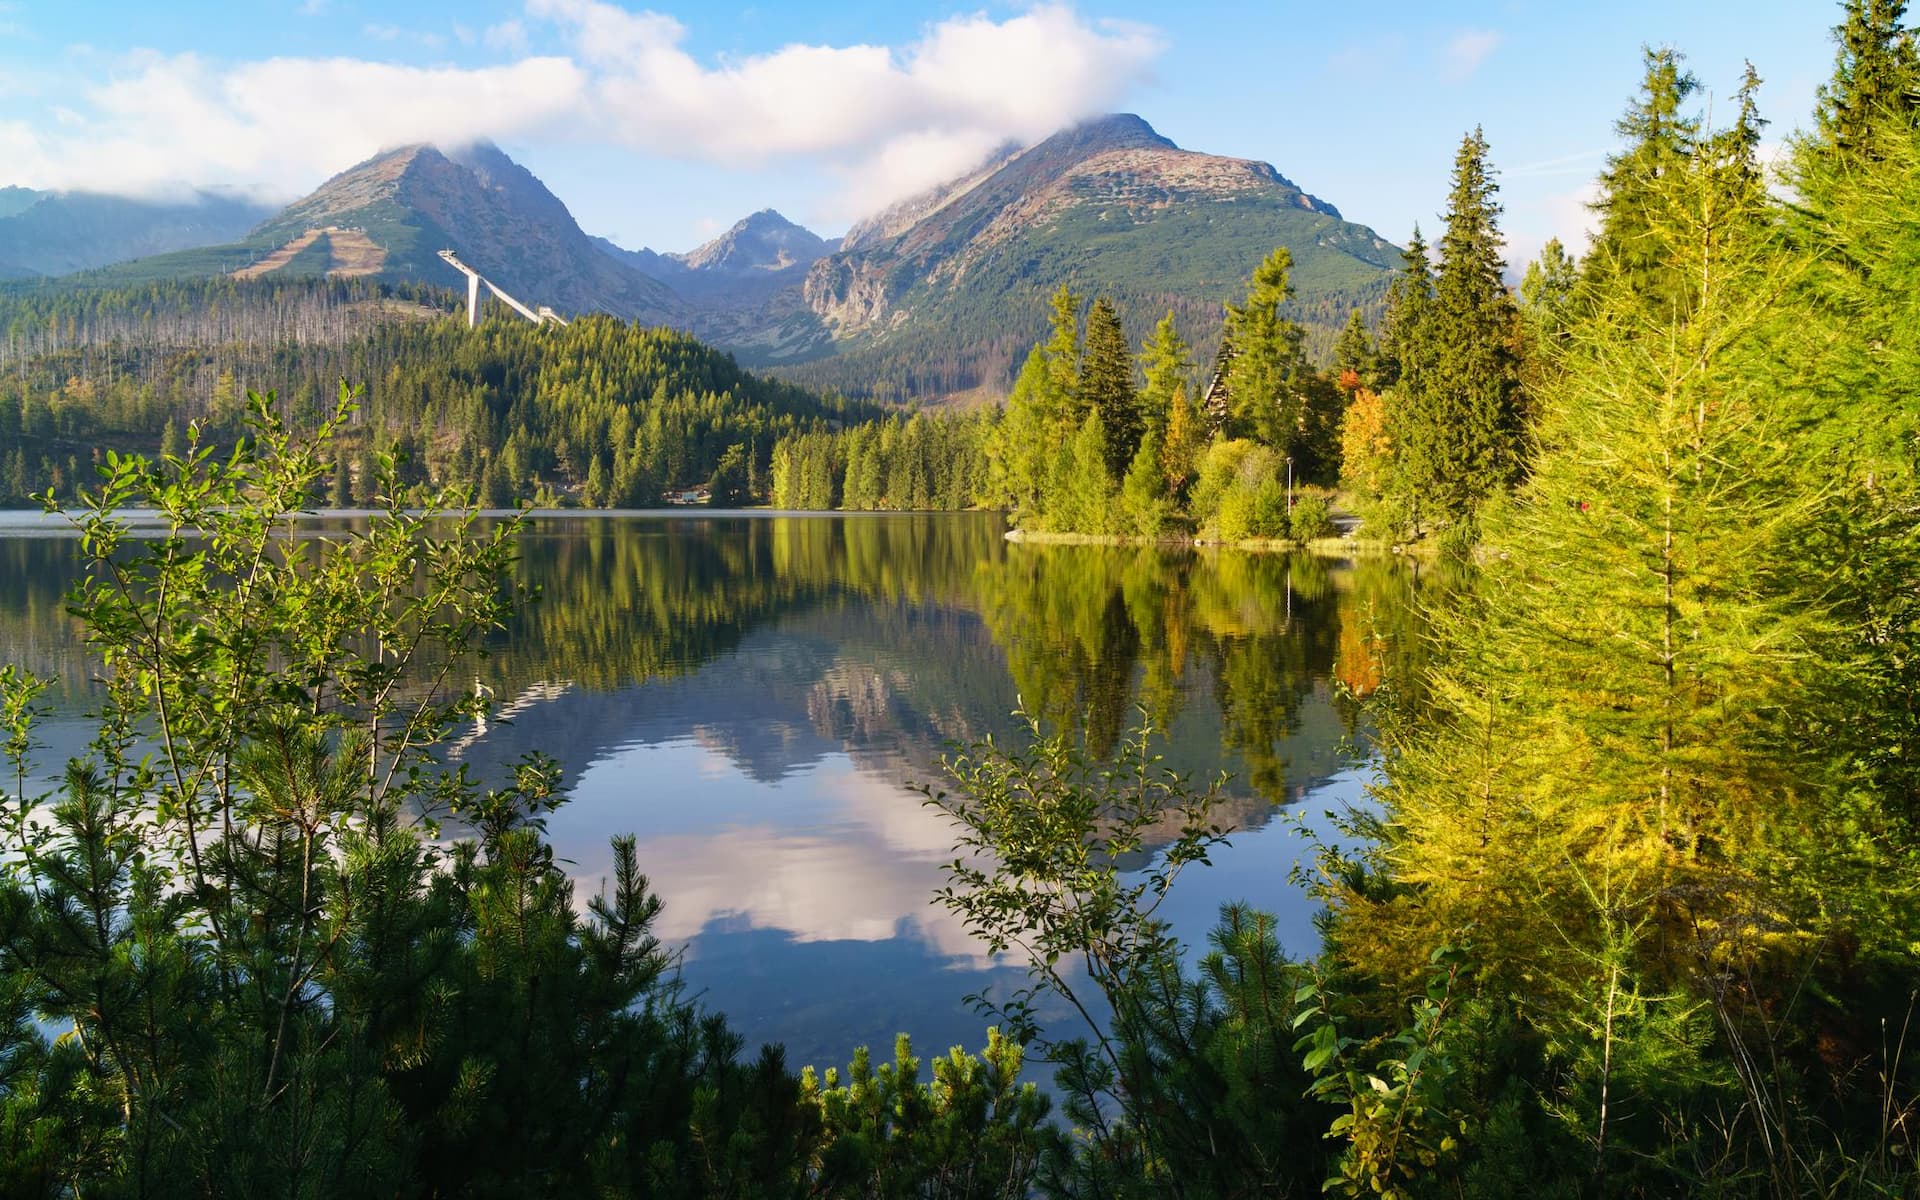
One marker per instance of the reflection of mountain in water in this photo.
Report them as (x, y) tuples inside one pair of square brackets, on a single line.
[(752, 697), (780, 640), (891, 640)]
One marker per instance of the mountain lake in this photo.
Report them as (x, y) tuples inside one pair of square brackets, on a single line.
[(756, 697)]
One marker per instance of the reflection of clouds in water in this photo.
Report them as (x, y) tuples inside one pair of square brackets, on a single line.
[(837, 854)]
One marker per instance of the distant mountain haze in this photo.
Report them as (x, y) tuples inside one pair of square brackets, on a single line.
[(936, 295), (57, 233)]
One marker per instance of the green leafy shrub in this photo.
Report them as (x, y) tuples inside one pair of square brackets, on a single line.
[(1312, 517)]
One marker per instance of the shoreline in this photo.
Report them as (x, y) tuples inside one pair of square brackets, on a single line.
[(1326, 547)]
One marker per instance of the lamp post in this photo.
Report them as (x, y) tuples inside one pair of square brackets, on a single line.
[(1289, 485)]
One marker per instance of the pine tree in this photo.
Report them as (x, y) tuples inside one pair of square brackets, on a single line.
[(1106, 385), (1876, 82)]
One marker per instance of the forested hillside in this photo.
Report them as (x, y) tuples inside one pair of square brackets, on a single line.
[(600, 412)]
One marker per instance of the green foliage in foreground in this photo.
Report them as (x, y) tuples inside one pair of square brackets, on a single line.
[(279, 950)]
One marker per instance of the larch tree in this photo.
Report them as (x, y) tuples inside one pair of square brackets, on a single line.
[(1020, 447), (1168, 365), (1185, 438), (1643, 780), (1265, 376), (1062, 354)]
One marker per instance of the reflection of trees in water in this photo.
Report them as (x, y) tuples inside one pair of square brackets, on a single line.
[(1092, 631), (924, 628), (626, 601), (36, 631)]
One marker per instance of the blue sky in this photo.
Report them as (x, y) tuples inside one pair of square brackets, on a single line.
[(660, 126)]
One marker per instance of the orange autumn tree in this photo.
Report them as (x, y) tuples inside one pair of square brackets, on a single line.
[(1366, 449)]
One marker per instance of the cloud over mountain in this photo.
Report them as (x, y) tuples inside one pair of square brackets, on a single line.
[(888, 119)]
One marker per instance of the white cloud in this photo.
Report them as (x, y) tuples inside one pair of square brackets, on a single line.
[(509, 35), (279, 126), (1465, 51), (889, 120)]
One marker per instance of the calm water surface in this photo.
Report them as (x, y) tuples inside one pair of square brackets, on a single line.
[(754, 696)]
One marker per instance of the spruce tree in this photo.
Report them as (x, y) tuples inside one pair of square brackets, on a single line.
[(1661, 135), (1875, 84), (1737, 148), (1106, 385), (1463, 411), (1354, 353), (340, 492), (1404, 345)]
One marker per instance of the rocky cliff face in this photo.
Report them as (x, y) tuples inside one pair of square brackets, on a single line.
[(1116, 172)]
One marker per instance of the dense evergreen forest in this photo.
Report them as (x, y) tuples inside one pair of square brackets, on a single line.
[(600, 413), (1636, 912)]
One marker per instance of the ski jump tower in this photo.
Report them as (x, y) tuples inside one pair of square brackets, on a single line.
[(539, 316)]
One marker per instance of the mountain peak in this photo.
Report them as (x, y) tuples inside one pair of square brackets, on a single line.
[(390, 215), (762, 241), (1114, 131)]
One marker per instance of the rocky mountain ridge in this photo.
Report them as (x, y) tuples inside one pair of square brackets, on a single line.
[(934, 295)]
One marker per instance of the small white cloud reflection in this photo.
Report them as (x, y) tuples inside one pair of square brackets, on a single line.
[(832, 853)]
